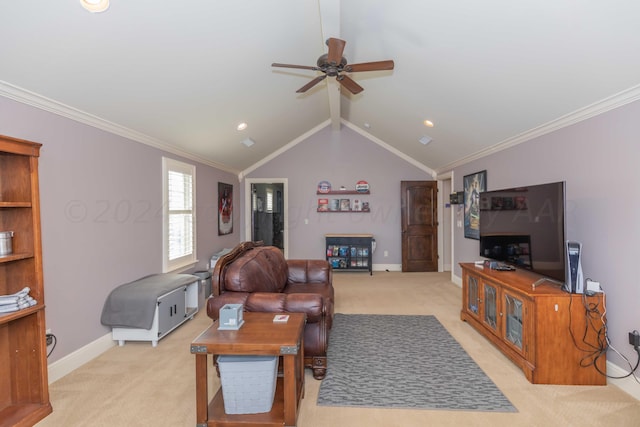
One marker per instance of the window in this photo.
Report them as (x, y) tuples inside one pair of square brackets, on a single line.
[(178, 218), (269, 200)]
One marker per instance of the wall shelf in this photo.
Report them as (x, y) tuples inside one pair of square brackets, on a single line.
[(342, 192), (334, 202), (349, 211)]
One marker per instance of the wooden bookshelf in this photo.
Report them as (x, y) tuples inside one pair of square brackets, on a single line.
[(24, 390)]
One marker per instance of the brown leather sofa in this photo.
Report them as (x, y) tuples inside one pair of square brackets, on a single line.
[(262, 280)]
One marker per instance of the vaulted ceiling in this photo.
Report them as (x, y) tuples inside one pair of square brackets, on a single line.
[(181, 75)]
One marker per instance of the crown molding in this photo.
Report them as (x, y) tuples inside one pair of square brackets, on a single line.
[(23, 96), (281, 150), (610, 103), (389, 148), (332, 123)]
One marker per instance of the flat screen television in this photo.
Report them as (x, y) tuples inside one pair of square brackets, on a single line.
[(525, 227)]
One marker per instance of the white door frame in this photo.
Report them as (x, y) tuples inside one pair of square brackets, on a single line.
[(249, 207), (442, 199)]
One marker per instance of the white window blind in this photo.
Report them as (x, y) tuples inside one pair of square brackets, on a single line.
[(269, 200), (178, 214)]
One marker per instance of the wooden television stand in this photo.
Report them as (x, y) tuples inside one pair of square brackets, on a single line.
[(550, 334)]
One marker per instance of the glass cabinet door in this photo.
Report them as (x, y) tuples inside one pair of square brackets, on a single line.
[(514, 312), (490, 316), (473, 295)]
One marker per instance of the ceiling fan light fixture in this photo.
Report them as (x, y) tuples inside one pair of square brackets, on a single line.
[(332, 64), (424, 140), (95, 6), (248, 142)]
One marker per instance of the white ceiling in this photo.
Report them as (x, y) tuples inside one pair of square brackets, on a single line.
[(181, 75)]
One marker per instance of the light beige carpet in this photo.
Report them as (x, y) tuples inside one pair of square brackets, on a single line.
[(138, 385)]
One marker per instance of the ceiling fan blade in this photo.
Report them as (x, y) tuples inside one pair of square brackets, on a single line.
[(349, 84), (302, 67), (311, 84), (370, 66), (336, 48)]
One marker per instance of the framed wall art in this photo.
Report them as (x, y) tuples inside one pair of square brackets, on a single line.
[(474, 184), (225, 208)]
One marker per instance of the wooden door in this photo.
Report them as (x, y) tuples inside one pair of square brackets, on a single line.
[(419, 225)]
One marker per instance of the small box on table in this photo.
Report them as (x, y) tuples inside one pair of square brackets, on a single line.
[(231, 316)]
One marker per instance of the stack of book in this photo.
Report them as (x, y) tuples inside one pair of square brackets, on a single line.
[(18, 301)]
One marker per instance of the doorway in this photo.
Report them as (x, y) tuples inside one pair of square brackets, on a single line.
[(445, 222), (419, 213), (265, 217)]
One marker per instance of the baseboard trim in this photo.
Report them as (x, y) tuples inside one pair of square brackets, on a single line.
[(629, 385), (73, 361), (387, 267), (457, 280)]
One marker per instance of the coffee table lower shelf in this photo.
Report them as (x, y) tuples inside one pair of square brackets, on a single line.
[(273, 418), (258, 336)]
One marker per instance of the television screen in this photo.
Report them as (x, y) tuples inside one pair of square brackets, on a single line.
[(525, 227)]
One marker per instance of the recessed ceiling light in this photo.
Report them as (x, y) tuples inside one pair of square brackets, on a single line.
[(248, 142), (95, 5), (428, 123), (242, 126), (424, 140)]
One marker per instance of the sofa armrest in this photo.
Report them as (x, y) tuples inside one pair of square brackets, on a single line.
[(269, 302), (309, 271), (215, 303)]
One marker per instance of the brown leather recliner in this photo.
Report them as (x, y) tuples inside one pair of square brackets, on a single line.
[(262, 280)]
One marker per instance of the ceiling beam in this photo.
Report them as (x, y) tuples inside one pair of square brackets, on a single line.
[(330, 23), (334, 103)]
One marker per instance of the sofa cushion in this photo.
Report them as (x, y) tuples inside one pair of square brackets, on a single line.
[(309, 271), (261, 269)]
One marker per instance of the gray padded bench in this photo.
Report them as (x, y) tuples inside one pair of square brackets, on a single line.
[(149, 308)]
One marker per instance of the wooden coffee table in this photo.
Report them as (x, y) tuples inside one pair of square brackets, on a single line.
[(259, 335)]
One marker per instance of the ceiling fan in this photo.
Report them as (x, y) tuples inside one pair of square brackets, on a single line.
[(333, 64)]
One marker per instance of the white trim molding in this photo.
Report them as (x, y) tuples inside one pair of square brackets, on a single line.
[(281, 150), (386, 267), (33, 99), (73, 361), (612, 102), (389, 148), (629, 385)]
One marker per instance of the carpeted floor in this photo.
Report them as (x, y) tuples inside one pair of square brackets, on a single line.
[(397, 361), (138, 385)]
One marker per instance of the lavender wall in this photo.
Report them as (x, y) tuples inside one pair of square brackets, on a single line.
[(343, 158), (598, 159), (101, 194), (101, 198)]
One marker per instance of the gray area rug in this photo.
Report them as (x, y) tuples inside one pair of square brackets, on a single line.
[(395, 361)]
